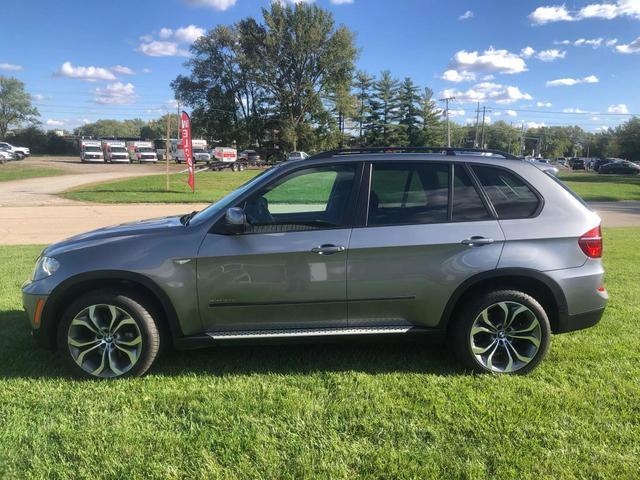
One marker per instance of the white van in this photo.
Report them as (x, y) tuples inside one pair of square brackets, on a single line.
[(91, 151), (142, 151), (199, 153), (115, 151)]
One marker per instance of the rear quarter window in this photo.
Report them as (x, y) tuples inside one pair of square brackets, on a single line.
[(510, 195)]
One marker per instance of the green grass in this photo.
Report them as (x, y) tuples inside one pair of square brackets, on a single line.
[(330, 411), (18, 171), (210, 186), (595, 187)]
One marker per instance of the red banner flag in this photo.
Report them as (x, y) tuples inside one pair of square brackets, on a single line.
[(185, 135)]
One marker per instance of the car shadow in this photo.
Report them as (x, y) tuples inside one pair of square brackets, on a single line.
[(22, 357)]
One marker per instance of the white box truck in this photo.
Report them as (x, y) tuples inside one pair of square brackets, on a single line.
[(142, 151), (91, 151), (115, 151), (199, 154)]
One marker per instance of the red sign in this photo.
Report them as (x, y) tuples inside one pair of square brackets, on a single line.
[(185, 135)]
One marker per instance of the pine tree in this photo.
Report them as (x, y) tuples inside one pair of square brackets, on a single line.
[(384, 110), (408, 113), (362, 85), (431, 128)]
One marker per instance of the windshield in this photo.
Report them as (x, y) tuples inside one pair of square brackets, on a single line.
[(227, 201), (199, 150), (145, 150), (92, 149), (118, 149)]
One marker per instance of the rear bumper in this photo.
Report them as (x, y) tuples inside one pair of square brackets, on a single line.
[(570, 323)]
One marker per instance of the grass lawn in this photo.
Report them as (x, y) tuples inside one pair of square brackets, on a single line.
[(210, 186), (330, 411), (17, 171), (594, 187)]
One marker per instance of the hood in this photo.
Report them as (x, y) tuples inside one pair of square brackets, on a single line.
[(108, 234)]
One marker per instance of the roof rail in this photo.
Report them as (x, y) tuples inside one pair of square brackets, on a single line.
[(436, 150)]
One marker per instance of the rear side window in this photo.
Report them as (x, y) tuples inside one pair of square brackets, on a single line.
[(467, 205), (510, 196), (408, 193)]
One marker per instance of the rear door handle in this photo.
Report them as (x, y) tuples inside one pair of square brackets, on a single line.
[(328, 249), (477, 241)]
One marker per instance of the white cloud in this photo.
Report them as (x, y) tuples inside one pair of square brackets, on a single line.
[(550, 55), (158, 48), (487, 78), (620, 108), (607, 11), (11, 67), (488, 91), (535, 124), (542, 15), (573, 110), (164, 33), (38, 97), (341, 2), (527, 52), (511, 113), (90, 74), (572, 81), (54, 123), (466, 15), (146, 70), (490, 61), (215, 4), (455, 76), (171, 104), (544, 104), (121, 69), (117, 93), (593, 42), (632, 47), (456, 113), (562, 42), (188, 34)]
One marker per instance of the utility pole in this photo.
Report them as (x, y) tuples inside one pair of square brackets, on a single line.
[(484, 111), (522, 141), (167, 147), (475, 142), (510, 129), (446, 114)]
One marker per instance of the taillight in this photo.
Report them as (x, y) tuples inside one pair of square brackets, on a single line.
[(591, 243)]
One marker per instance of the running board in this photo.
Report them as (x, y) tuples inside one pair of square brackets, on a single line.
[(308, 332)]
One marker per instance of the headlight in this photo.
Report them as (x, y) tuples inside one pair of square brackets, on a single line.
[(45, 266)]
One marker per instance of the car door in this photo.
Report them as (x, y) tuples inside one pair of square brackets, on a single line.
[(288, 270), (427, 229)]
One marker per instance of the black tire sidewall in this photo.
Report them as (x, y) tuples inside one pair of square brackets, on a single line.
[(461, 329), (135, 306)]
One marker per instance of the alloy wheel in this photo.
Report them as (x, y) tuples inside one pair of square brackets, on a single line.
[(505, 337), (104, 340)]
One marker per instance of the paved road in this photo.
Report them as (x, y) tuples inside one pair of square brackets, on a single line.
[(618, 214)]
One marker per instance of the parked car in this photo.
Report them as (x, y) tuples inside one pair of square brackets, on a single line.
[(18, 152), (598, 162), (6, 156), (620, 167), (297, 156), (249, 156), (577, 164), (497, 265)]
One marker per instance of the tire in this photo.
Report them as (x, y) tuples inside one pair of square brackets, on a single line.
[(234, 168), (127, 350), (518, 349), (19, 156)]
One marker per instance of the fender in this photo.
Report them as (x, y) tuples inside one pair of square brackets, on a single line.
[(53, 303), (499, 273)]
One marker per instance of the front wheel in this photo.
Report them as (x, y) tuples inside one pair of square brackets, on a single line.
[(109, 334), (504, 331)]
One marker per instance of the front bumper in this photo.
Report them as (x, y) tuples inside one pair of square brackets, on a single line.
[(33, 305)]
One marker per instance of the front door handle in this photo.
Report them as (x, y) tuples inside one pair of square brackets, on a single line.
[(328, 249), (477, 241)]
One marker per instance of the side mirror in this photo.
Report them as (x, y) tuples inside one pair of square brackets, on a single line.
[(235, 220)]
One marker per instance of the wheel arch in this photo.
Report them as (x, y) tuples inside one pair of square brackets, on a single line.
[(65, 292), (533, 282)]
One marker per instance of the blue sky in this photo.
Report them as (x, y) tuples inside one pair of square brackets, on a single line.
[(537, 62)]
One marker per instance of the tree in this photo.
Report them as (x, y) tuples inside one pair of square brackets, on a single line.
[(362, 84), (384, 111), (301, 57), (628, 138), (432, 130), (15, 105), (157, 128), (111, 128), (409, 113)]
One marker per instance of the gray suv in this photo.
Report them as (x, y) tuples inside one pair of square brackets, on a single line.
[(482, 248)]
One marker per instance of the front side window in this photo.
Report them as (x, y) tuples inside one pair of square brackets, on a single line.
[(308, 199), (510, 196), (408, 193)]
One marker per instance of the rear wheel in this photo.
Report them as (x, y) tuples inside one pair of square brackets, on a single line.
[(504, 331), (109, 335)]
